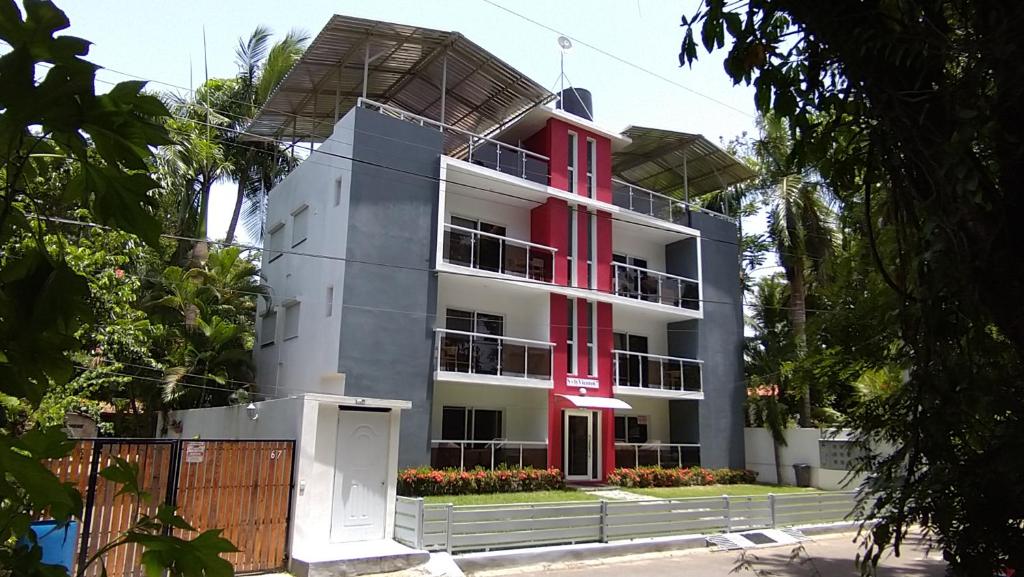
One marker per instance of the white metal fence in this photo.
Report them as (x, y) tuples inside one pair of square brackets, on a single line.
[(444, 527)]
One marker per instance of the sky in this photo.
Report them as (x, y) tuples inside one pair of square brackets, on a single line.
[(164, 42)]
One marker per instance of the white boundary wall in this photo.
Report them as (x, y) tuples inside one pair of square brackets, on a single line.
[(801, 447)]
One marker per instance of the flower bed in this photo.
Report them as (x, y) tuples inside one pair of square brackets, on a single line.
[(674, 477), (425, 481)]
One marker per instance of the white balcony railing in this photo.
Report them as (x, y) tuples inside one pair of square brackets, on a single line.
[(646, 371), (474, 148), (465, 454), (657, 287), (496, 253), (481, 354), (633, 455)]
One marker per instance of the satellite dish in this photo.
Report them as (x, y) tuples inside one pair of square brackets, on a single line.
[(564, 42)]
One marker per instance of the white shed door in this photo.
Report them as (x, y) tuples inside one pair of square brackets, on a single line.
[(360, 476)]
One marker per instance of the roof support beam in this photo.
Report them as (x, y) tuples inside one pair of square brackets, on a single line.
[(423, 62)]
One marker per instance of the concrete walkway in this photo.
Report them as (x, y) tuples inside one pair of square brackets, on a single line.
[(619, 495)]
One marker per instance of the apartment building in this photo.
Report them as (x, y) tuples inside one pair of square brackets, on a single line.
[(533, 282)]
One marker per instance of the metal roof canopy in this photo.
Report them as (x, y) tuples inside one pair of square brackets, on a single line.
[(676, 163), (403, 66)]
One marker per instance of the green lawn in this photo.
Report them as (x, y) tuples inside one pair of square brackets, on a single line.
[(502, 498), (717, 491)]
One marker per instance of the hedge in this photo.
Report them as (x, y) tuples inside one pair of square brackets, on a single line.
[(426, 481), (674, 477)]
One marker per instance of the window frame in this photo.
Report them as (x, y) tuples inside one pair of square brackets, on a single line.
[(469, 422), (296, 307), (572, 362), (275, 250), (574, 154), (646, 436), (591, 168), (304, 212), (263, 329)]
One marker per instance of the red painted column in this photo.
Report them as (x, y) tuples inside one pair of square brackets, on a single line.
[(607, 379), (559, 322)]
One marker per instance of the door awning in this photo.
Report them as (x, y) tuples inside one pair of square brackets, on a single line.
[(596, 402)]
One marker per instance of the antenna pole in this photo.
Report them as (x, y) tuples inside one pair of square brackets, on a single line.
[(561, 77)]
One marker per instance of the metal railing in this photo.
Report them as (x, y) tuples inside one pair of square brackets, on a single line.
[(482, 354), (647, 371), (655, 287), (496, 253), (460, 528), (634, 455), (648, 202), (467, 454), (474, 148)]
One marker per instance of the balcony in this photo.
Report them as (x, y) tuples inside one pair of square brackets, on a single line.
[(498, 254), (657, 375), (655, 287), (644, 201), (634, 455), (476, 357), (475, 149), (445, 454)]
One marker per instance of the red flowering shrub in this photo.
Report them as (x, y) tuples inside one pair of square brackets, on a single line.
[(425, 481), (676, 477)]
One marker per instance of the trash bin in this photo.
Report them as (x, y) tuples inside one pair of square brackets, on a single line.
[(803, 474), (57, 542)]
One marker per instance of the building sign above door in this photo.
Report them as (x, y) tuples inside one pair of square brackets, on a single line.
[(581, 382)]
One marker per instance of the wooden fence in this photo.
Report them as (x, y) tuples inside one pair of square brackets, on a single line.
[(242, 487), (487, 527)]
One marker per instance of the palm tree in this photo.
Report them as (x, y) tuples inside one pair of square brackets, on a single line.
[(769, 354), (800, 226), (257, 165)]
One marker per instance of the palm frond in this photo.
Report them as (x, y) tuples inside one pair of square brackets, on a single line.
[(279, 61)]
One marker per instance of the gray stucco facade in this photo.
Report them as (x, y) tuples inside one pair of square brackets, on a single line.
[(386, 345), (717, 340)]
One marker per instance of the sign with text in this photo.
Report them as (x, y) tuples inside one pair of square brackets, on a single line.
[(575, 382), (195, 452)]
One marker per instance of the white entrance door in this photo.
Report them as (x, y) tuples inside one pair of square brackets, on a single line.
[(360, 476), (580, 441)]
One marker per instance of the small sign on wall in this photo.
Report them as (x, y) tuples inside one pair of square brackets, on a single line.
[(195, 452), (576, 382)]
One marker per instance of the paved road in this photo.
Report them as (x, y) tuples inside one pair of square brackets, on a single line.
[(832, 557)]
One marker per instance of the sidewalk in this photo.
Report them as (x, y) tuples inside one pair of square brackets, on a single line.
[(830, 556)]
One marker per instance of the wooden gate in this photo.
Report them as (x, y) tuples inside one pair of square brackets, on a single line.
[(242, 487)]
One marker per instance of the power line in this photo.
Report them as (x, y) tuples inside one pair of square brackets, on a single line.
[(621, 60)]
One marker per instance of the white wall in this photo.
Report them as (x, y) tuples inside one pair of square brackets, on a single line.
[(279, 419), (656, 411), (801, 447), (629, 244), (628, 320), (309, 362), (516, 220), (525, 411), (526, 313)]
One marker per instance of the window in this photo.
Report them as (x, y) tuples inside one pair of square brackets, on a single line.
[(591, 167), (472, 353), (482, 251), (469, 424), (275, 243), (291, 321), (592, 337), (573, 155), (572, 245), (591, 250), (330, 301), (300, 226), (570, 339), (268, 328), (630, 429), (632, 279), (631, 368), (339, 184)]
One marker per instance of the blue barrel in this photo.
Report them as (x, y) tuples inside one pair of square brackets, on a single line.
[(57, 542)]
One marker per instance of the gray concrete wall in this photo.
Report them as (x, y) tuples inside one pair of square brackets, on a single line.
[(719, 342), (386, 347)]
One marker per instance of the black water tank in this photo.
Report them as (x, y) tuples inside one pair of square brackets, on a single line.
[(577, 101)]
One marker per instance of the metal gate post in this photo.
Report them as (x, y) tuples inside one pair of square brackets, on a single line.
[(771, 509), (448, 528), (90, 502), (173, 473), (728, 514), (603, 532)]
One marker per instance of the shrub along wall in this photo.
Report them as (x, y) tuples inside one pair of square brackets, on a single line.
[(674, 477), (424, 482)]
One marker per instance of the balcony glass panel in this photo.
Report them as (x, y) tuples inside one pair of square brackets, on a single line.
[(691, 377), (656, 287), (484, 354), (493, 252), (648, 371)]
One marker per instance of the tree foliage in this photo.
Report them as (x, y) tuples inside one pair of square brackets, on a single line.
[(909, 109)]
